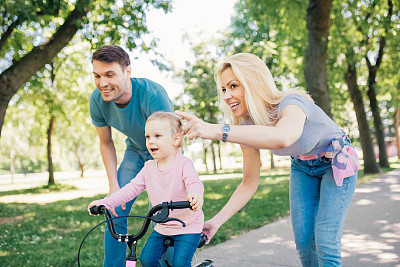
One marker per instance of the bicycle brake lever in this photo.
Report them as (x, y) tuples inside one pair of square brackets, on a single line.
[(162, 214)]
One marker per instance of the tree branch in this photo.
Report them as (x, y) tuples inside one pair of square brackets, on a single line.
[(7, 33)]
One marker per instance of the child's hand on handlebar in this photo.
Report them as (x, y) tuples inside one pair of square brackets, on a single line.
[(196, 201), (93, 203)]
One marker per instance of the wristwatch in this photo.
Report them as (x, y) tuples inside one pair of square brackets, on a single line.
[(225, 130)]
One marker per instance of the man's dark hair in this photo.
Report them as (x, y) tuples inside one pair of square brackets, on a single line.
[(112, 53)]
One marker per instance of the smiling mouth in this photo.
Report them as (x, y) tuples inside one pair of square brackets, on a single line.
[(234, 106), (106, 90), (153, 150)]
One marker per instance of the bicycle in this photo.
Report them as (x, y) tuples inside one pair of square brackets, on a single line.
[(157, 214)]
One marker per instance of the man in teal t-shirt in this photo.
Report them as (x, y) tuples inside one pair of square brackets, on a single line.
[(123, 103)]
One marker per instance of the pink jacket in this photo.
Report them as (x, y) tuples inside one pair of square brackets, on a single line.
[(174, 183)]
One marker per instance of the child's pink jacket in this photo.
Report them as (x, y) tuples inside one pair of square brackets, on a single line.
[(174, 183)]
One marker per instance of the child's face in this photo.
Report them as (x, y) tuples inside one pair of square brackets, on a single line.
[(160, 141)]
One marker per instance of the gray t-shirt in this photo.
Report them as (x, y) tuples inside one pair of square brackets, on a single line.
[(318, 130)]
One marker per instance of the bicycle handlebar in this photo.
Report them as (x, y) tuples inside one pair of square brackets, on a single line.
[(96, 210), (160, 217)]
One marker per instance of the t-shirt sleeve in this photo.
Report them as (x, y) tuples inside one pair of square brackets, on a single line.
[(95, 111), (157, 100), (128, 192), (191, 178), (296, 100)]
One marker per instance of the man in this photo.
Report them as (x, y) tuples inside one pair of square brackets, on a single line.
[(123, 103)]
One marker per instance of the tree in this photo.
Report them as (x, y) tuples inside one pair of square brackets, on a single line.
[(318, 24), (33, 33), (373, 24), (274, 31), (200, 93)]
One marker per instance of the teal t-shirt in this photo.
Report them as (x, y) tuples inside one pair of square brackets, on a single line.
[(147, 98)]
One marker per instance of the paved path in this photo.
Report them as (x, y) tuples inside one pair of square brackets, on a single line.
[(371, 234)]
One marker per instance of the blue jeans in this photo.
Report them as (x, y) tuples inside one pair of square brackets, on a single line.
[(185, 246), (318, 208), (114, 251)]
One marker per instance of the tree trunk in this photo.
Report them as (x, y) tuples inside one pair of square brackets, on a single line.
[(49, 156), (214, 157), (205, 155), (396, 130), (81, 165), (318, 24), (12, 165), (370, 164), (219, 156), (272, 160), (380, 135), (21, 71)]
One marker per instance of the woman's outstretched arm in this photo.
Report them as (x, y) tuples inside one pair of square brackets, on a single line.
[(242, 194), (287, 130)]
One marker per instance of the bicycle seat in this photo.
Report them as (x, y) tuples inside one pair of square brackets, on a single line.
[(169, 242)]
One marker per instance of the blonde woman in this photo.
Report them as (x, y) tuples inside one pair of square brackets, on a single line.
[(324, 164)]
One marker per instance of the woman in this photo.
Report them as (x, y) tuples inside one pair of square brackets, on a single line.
[(323, 163)]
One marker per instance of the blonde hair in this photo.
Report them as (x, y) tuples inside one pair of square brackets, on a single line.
[(260, 92), (174, 122)]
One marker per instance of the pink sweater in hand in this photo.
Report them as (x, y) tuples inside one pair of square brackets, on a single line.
[(174, 183)]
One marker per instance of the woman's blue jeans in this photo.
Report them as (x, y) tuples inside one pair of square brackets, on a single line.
[(114, 251), (318, 209), (185, 246)]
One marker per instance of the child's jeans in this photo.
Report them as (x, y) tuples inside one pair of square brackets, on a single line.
[(185, 246), (318, 209)]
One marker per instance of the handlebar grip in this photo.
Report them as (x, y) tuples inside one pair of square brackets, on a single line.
[(180, 205), (95, 210), (203, 240)]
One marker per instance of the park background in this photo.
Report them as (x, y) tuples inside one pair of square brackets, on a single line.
[(346, 54)]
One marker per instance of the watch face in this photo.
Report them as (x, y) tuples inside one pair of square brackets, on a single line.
[(226, 128)]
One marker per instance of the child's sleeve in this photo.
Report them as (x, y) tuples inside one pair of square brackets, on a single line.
[(191, 178), (128, 192)]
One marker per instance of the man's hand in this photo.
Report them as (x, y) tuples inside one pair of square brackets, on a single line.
[(112, 190)]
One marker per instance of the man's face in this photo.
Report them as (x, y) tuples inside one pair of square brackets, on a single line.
[(112, 82)]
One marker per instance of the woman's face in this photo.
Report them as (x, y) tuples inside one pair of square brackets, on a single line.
[(233, 93)]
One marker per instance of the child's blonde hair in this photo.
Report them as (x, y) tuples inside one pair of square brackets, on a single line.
[(174, 122), (260, 93)]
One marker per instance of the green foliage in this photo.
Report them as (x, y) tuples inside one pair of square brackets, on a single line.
[(274, 31), (357, 28), (200, 93), (108, 21), (61, 89)]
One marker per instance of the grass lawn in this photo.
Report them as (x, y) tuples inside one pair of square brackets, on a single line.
[(50, 234)]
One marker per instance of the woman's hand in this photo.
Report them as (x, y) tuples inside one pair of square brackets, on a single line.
[(196, 127), (209, 229)]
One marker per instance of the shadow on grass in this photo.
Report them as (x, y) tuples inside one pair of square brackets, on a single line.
[(40, 190)]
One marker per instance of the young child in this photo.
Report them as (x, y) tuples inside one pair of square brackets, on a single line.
[(170, 176)]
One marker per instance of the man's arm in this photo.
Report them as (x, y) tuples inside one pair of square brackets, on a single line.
[(107, 150)]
